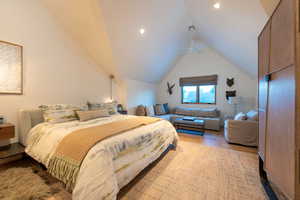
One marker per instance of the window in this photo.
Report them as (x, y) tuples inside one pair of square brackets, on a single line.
[(189, 94), (205, 94)]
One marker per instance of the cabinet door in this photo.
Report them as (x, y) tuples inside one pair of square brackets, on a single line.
[(280, 140), (283, 36), (264, 58)]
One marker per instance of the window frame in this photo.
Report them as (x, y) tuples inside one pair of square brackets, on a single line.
[(198, 96)]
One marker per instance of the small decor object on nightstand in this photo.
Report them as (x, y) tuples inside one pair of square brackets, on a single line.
[(121, 110)]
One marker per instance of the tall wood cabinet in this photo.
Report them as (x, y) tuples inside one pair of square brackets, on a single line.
[(279, 99)]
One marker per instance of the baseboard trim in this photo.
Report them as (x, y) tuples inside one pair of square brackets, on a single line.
[(265, 182)]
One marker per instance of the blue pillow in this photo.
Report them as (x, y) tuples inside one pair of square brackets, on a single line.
[(166, 107)]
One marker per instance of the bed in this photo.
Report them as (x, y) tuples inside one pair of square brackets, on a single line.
[(110, 164)]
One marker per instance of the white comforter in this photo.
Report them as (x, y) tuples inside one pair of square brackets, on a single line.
[(112, 163)]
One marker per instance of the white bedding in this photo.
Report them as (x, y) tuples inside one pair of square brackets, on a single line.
[(113, 162)]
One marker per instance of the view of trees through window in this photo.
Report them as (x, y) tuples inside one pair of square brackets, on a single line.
[(199, 94)]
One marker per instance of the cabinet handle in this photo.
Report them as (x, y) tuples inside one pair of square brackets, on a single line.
[(267, 77)]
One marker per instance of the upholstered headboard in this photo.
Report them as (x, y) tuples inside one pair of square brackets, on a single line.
[(27, 120)]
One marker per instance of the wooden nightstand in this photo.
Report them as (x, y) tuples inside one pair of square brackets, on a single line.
[(9, 152), (7, 131)]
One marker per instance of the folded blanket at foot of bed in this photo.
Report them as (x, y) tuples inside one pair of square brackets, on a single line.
[(71, 151)]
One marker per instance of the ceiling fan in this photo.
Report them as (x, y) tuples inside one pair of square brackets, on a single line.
[(196, 45)]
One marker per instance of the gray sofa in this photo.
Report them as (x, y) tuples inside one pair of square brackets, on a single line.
[(211, 116)]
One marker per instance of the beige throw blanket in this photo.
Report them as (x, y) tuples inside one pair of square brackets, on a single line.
[(71, 151)]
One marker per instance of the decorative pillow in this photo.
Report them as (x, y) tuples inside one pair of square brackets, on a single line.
[(240, 116), (252, 115), (111, 107), (140, 110), (58, 113), (63, 107), (91, 114), (159, 109), (150, 111), (166, 107), (58, 116)]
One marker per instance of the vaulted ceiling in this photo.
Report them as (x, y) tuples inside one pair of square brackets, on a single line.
[(232, 30), (108, 31)]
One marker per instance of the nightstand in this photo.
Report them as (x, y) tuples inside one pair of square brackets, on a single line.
[(9, 152), (7, 131)]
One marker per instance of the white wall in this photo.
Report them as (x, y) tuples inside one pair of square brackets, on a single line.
[(55, 69), (139, 93), (209, 62)]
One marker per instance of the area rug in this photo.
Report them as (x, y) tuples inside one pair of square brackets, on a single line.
[(193, 172), (20, 183), (200, 172)]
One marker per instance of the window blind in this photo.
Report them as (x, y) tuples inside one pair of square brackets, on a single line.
[(199, 80)]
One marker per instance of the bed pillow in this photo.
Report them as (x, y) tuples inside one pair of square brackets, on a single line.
[(159, 109), (63, 107), (150, 111), (111, 107), (59, 113), (59, 116), (240, 116), (91, 114)]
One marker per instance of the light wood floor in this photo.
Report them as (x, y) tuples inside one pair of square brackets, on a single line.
[(216, 139)]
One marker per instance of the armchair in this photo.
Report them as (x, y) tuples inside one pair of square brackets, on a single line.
[(243, 132)]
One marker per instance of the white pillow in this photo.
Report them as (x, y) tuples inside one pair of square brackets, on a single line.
[(252, 115), (240, 116)]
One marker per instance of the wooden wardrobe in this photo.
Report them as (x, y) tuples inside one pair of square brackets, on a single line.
[(279, 100)]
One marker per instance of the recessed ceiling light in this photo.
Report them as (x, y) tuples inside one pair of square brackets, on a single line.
[(142, 31), (217, 5)]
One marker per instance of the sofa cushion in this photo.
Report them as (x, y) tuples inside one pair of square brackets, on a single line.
[(197, 112), (252, 115), (166, 117)]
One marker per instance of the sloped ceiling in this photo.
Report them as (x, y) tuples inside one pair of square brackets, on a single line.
[(269, 5), (108, 30), (147, 57), (83, 21), (232, 30)]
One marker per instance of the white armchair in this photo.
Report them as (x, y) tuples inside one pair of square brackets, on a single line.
[(243, 132)]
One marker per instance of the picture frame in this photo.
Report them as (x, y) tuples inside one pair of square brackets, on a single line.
[(11, 68)]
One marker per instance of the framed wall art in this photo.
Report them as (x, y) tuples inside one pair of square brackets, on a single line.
[(11, 68)]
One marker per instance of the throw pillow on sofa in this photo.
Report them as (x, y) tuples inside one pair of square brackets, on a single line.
[(150, 111), (240, 116), (159, 109), (140, 110), (252, 115), (166, 107)]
